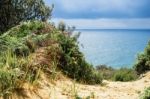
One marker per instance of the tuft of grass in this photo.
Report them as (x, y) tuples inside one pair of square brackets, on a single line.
[(14, 72), (145, 94), (9, 74)]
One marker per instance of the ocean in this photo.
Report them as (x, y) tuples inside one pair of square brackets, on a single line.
[(113, 47)]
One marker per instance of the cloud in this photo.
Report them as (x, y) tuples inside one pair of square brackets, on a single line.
[(133, 14), (136, 23), (101, 8)]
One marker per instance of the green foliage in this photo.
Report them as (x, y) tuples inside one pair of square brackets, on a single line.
[(22, 39), (14, 72), (145, 94), (14, 11), (61, 51), (9, 73), (19, 41), (73, 62), (143, 61), (125, 74), (62, 26), (105, 71)]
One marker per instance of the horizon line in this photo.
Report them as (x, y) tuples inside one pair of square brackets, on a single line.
[(112, 29)]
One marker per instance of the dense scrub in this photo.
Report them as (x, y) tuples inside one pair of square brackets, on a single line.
[(125, 74), (122, 74), (61, 52), (143, 61)]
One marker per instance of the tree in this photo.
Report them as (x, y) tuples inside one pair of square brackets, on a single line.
[(12, 12)]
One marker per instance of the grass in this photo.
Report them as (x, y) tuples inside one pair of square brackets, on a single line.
[(9, 74), (61, 53)]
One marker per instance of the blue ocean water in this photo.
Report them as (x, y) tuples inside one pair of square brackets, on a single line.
[(115, 48)]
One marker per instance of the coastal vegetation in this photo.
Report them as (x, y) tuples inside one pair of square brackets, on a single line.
[(30, 47), (122, 74), (143, 61), (145, 94), (61, 52)]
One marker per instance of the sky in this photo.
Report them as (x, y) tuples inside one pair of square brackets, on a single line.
[(97, 14)]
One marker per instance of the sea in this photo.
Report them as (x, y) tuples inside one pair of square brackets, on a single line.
[(113, 47)]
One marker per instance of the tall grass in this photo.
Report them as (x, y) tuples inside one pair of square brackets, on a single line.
[(9, 73), (14, 72)]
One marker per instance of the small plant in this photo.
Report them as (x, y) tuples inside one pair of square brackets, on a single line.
[(145, 94), (74, 90)]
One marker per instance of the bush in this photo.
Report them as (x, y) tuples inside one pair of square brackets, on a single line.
[(145, 94), (125, 74), (105, 71), (73, 62), (143, 61)]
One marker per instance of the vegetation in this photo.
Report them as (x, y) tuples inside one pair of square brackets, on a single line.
[(56, 47), (125, 74), (122, 74), (61, 51), (12, 12), (145, 94), (143, 61), (106, 72)]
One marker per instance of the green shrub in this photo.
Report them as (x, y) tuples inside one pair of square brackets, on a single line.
[(145, 94), (73, 62), (105, 71), (143, 61), (125, 74)]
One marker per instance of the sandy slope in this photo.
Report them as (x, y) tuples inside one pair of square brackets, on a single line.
[(65, 88)]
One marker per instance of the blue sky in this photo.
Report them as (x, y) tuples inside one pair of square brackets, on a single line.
[(102, 13)]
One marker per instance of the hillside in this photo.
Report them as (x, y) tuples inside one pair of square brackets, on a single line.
[(34, 48), (40, 61), (65, 88)]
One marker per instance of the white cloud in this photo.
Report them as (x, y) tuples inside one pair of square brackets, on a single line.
[(107, 23)]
